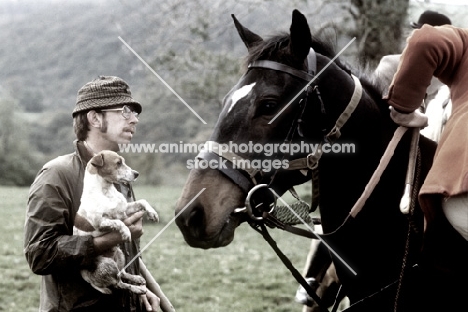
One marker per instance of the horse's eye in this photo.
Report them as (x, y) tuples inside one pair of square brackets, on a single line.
[(267, 107)]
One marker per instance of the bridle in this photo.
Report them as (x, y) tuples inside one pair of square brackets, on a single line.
[(247, 178)]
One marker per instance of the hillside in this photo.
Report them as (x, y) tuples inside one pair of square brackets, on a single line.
[(50, 48)]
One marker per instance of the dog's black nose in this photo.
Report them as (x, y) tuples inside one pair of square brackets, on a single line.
[(135, 174)]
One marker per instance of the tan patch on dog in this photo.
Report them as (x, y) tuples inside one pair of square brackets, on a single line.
[(98, 160)]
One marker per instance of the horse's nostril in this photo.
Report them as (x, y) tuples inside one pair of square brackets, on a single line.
[(195, 222), (194, 217), (192, 222)]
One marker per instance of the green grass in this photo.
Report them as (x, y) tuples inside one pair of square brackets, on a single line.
[(19, 287), (244, 276)]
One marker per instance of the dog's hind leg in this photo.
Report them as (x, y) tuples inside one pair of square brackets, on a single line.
[(133, 279), (104, 276), (137, 289), (119, 259), (137, 283), (142, 204)]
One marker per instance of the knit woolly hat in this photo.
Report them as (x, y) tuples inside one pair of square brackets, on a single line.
[(104, 92)]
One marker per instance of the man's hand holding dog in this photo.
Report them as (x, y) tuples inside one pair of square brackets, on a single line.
[(107, 241), (135, 224), (150, 301)]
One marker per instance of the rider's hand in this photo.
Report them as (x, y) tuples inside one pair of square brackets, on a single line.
[(415, 119)]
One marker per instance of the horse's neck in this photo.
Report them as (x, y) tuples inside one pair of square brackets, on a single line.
[(342, 179), (344, 176)]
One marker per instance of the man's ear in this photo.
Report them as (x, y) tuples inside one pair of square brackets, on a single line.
[(94, 119), (97, 161)]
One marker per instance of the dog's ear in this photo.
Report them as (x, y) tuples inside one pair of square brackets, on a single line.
[(97, 161)]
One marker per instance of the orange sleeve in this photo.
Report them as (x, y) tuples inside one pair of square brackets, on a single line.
[(430, 51)]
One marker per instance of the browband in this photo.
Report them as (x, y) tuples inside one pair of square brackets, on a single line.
[(307, 76)]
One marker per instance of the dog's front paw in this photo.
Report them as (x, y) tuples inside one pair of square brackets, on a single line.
[(142, 204), (139, 280), (153, 215), (126, 235), (139, 290)]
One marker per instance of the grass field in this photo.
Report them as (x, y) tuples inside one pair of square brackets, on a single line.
[(244, 276)]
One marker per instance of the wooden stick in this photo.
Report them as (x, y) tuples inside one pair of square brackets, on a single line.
[(166, 305)]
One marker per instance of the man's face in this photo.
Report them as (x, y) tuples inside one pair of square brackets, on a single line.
[(116, 128)]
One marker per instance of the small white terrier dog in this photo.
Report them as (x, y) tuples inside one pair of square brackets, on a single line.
[(102, 210)]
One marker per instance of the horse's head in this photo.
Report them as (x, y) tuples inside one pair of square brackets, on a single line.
[(267, 107)]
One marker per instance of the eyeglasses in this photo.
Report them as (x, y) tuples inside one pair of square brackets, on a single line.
[(126, 111)]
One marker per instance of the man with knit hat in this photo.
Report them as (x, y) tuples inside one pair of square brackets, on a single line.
[(105, 116)]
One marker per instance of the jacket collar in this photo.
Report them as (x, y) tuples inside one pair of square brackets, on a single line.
[(83, 154)]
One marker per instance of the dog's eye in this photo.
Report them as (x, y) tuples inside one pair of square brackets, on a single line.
[(119, 163)]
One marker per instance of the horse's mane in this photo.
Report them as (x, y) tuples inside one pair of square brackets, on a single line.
[(275, 48)]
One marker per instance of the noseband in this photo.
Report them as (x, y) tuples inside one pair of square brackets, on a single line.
[(247, 178)]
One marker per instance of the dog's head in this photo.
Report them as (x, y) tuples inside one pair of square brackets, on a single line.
[(111, 167)]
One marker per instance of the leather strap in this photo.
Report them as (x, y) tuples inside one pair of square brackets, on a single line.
[(295, 273), (238, 161), (335, 133), (282, 68), (384, 160), (229, 171), (311, 161), (307, 76)]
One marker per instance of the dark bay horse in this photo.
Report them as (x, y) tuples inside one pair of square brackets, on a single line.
[(255, 111)]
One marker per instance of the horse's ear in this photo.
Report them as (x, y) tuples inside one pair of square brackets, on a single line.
[(301, 39), (249, 38)]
